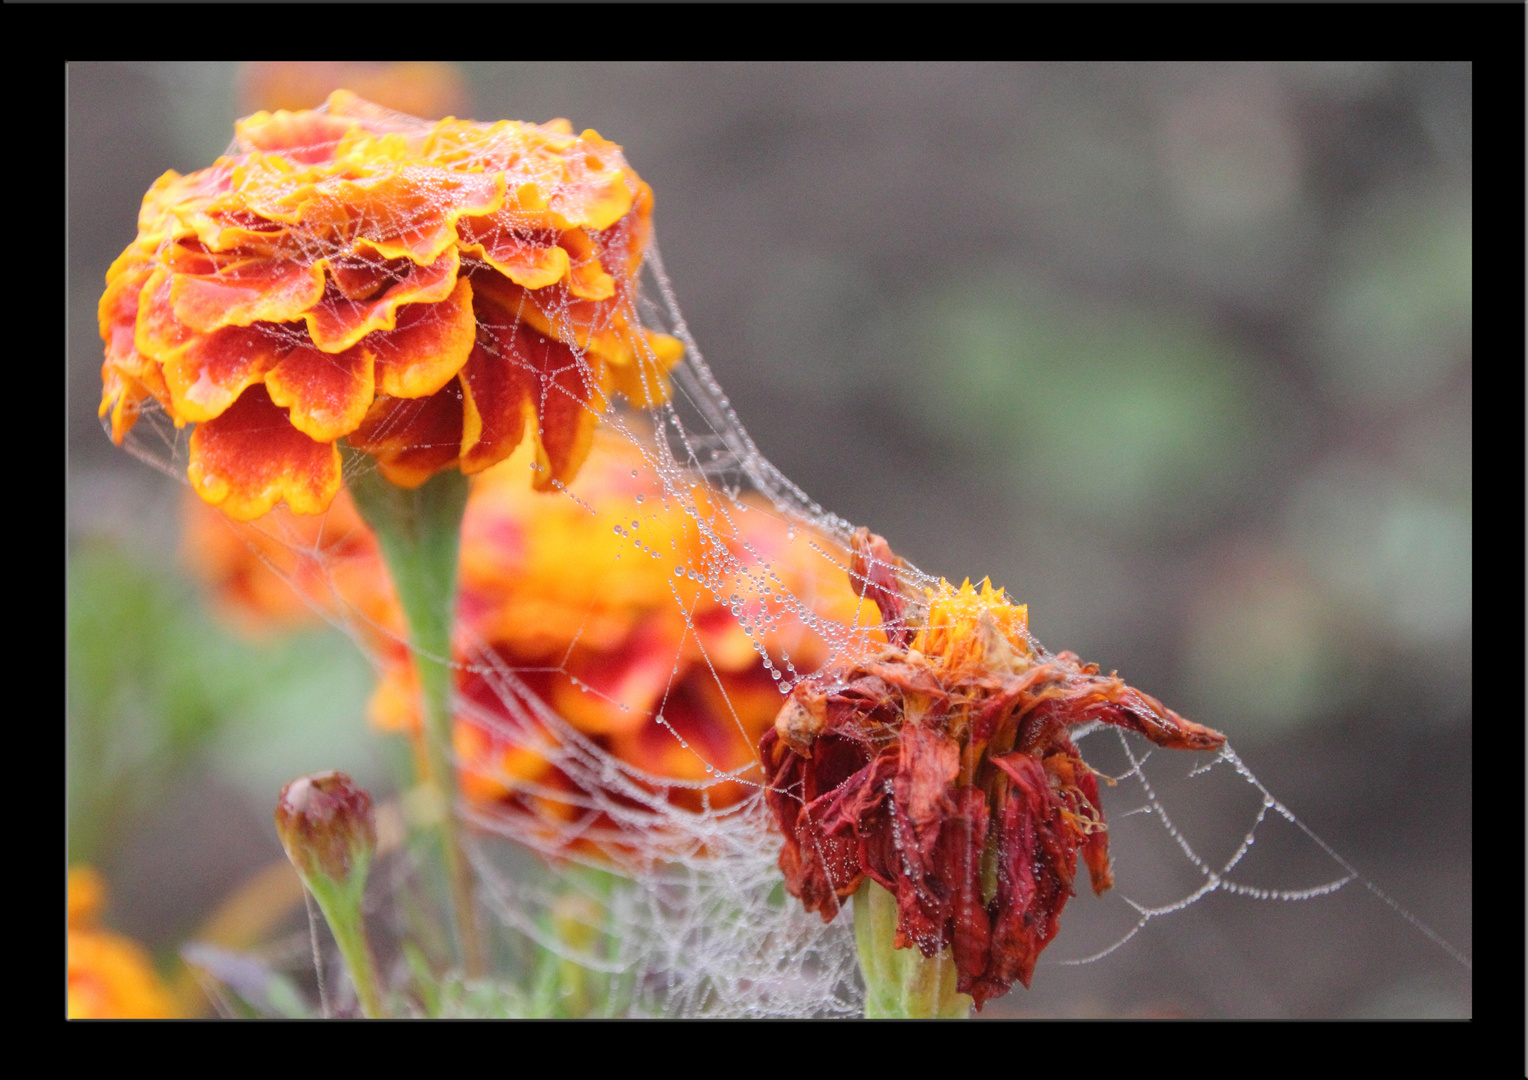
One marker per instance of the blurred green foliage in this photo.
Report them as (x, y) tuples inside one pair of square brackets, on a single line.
[(156, 687), (1399, 314), (1128, 419)]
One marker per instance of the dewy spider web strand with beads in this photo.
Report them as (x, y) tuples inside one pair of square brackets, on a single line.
[(562, 747)]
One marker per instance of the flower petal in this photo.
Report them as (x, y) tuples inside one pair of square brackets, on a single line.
[(425, 345), (204, 374), (337, 322), (587, 279), (413, 438), (304, 136), (127, 376), (208, 373), (264, 290), (417, 208), (597, 193), (326, 394), (250, 458), (528, 257), (518, 364), (962, 844), (496, 401), (406, 211), (644, 380)]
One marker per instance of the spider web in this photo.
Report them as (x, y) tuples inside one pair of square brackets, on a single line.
[(697, 922)]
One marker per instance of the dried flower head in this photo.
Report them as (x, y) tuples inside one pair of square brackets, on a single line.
[(431, 293), (942, 769)]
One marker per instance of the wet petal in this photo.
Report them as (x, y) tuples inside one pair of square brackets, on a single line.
[(413, 438), (427, 345), (337, 322), (643, 380), (364, 275), (962, 844), (587, 279), (203, 373), (527, 257), (497, 400), (269, 290), (409, 211), (250, 458), (326, 394), (127, 376), (207, 374), (547, 377), (598, 194)]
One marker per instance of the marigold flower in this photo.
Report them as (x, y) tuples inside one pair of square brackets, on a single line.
[(276, 574), (580, 599), (110, 976), (431, 293), (576, 594), (416, 88), (942, 769)]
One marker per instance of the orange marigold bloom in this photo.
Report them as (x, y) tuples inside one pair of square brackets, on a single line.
[(431, 293), (278, 573), (586, 598), (416, 88), (942, 769), (110, 976), (645, 634)]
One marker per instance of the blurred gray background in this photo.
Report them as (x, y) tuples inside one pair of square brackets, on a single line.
[(1180, 355)]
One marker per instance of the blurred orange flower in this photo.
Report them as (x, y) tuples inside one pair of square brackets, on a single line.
[(942, 769), (110, 976), (416, 88), (432, 293), (277, 574), (607, 602)]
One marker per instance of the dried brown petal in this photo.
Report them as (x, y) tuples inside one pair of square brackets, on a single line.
[(942, 769)]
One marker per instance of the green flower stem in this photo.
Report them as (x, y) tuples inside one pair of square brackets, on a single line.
[(900, 983), (579, 919), (340, 901), (419, 532)]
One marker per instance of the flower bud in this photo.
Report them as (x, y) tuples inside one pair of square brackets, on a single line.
[(327, 826)]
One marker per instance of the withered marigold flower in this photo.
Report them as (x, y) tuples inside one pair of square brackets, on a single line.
[(942, 769), (431, 293), (110, 976)]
